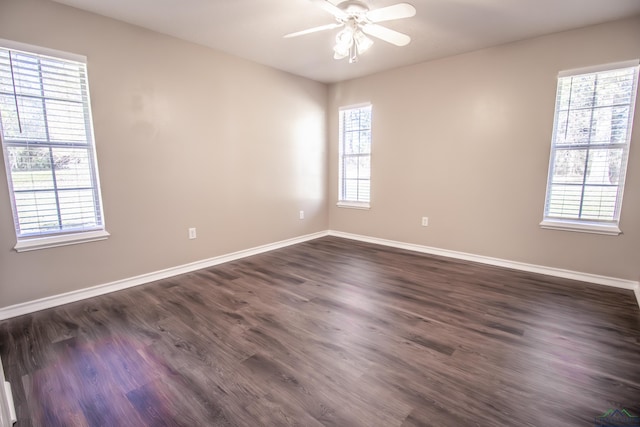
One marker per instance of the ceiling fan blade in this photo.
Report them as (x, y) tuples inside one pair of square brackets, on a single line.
[(386, 34), (332, 9), (314, 30), (396, 11)]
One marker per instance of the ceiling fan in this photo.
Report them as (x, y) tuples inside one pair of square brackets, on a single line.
[(358, 20)]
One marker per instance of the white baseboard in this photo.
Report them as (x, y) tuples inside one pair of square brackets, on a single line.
[(7, 408), (60, 299), (550, 271), (56, 300), (11, 415)]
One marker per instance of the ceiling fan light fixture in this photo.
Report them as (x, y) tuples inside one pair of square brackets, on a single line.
[(341, 51), (351, 42), (344, 38), (339, 54), (344, 42), (363, 43)]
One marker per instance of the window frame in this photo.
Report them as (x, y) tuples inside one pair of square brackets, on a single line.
[(63, 236), (611, 227), (342, 201)]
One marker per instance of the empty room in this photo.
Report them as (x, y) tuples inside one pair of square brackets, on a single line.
[(319, 213)]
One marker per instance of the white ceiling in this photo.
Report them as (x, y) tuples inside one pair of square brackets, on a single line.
[(253, 29)]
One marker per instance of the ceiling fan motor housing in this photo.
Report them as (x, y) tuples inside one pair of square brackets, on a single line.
[(355, 9)]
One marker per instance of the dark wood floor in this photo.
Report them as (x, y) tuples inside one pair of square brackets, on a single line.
[(331, 332)]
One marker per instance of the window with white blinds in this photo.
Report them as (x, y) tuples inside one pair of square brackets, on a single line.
[(47, 141), (590, 148), (355, 156)]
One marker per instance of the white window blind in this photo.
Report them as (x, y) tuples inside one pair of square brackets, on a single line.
[(47, 140), (355, 156), (590, 148)]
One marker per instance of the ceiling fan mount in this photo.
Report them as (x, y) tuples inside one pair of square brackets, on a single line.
[(353, 8), (358, 20)]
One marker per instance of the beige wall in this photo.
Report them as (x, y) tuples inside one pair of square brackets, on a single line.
[(186, 137), (465, 141)]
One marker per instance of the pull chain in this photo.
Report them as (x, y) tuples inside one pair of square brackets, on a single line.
[(15, 93)]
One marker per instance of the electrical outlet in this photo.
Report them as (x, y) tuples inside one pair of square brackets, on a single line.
[(301, 214), (192, 233), (425, 221)]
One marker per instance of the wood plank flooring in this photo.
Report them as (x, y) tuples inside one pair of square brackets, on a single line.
[(331, 332)]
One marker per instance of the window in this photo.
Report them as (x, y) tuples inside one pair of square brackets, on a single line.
[(590, 148), (355, 157), (47, 141)]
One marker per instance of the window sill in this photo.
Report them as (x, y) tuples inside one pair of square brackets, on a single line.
[(594, 228), (354, 205), (63, 240)]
